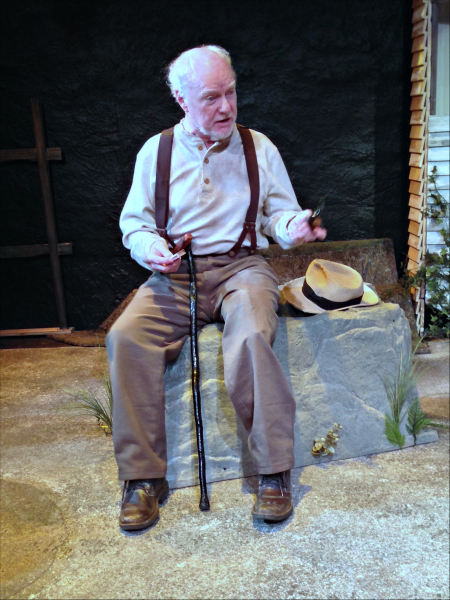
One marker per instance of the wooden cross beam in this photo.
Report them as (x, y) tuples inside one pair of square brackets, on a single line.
[(42, 155)]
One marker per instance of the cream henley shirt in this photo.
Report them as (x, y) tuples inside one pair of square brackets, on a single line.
[(209, 195)]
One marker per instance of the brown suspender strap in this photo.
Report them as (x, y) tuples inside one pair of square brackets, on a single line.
[(253, 178), (162, 183)]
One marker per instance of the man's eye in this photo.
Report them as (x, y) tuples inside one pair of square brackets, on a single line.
[(231, 92)]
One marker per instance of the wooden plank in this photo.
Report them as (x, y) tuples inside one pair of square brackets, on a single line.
[(418, 59), (420, 290), (417, 146), (30, 251), (421, 320), (412, 266), (435, 140), (419, 43), (419, 73), (417, 103), (36, 331), (433, 225), (29, 154), (433, 31), (438, 154), (434, 248), (413, 253), (413, 241), (415, 215), (438, 124), (435, 238), (419, 28), (415, 201), (443, 183), (416, 174), (417, 117), (419, 13), (50, 219), (415, 187), (417, 132), (416, 160), (442, 167), (418, 88), (413, 228)]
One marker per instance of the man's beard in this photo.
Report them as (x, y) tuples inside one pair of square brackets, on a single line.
[(215, 136)]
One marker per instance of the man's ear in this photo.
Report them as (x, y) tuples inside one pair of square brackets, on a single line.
[(181, 101)]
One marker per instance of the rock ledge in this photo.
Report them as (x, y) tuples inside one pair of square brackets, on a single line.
[(336, 364)]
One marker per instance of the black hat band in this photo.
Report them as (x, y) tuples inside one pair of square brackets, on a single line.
[(324, 303)]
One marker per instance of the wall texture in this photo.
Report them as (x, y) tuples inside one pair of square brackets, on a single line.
[(327, 81)]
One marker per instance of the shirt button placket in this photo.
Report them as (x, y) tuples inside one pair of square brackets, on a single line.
[(206, 179)]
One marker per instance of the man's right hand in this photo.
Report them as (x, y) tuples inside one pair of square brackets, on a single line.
[(160, 258)]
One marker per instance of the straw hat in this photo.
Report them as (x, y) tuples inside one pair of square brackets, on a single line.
[(329, 286)]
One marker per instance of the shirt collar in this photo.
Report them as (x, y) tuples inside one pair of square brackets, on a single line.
[(194, 140)]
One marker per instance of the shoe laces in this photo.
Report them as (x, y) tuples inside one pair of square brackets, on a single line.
[(136, 484), (276, 481)]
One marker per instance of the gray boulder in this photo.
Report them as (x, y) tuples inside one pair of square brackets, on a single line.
[(336, 364)]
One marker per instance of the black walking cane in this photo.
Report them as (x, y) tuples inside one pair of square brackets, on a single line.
[(195, 366), (204, 501)]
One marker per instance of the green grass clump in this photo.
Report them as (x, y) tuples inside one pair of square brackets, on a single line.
[(88, 403), (397, 390)]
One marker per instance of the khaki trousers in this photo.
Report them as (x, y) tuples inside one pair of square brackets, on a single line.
[(243, 291)]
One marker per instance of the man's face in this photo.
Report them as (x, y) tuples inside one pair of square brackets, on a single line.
[(210, 105)]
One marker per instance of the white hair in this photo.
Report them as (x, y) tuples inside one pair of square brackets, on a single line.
[(179, 72)]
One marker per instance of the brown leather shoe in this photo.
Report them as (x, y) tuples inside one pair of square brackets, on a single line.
[(273, 502), (140, 499)]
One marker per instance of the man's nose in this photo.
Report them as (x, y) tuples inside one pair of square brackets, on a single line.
[(225, 105)]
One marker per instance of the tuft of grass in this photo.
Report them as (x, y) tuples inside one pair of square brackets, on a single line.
[(88, 403), (397, 390)]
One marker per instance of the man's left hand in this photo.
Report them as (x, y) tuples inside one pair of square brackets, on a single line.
[(300, 231)]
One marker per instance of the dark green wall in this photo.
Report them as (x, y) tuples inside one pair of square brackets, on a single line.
[(327, 81)]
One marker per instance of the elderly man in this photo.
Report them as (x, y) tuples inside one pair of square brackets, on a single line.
[(209, 197)]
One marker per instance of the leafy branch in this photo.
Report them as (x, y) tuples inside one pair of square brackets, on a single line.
[(434, 273), (416, 420)]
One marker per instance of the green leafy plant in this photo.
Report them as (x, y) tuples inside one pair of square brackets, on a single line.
[(392, 431), (88, 403), (416, 420), (397, 391), (434, 273), (439, 425)]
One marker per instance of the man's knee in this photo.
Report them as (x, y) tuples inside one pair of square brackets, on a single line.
[(251, 302), (123, 332), (251, 316)]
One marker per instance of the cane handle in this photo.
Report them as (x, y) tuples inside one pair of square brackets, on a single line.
[(183, 242)]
